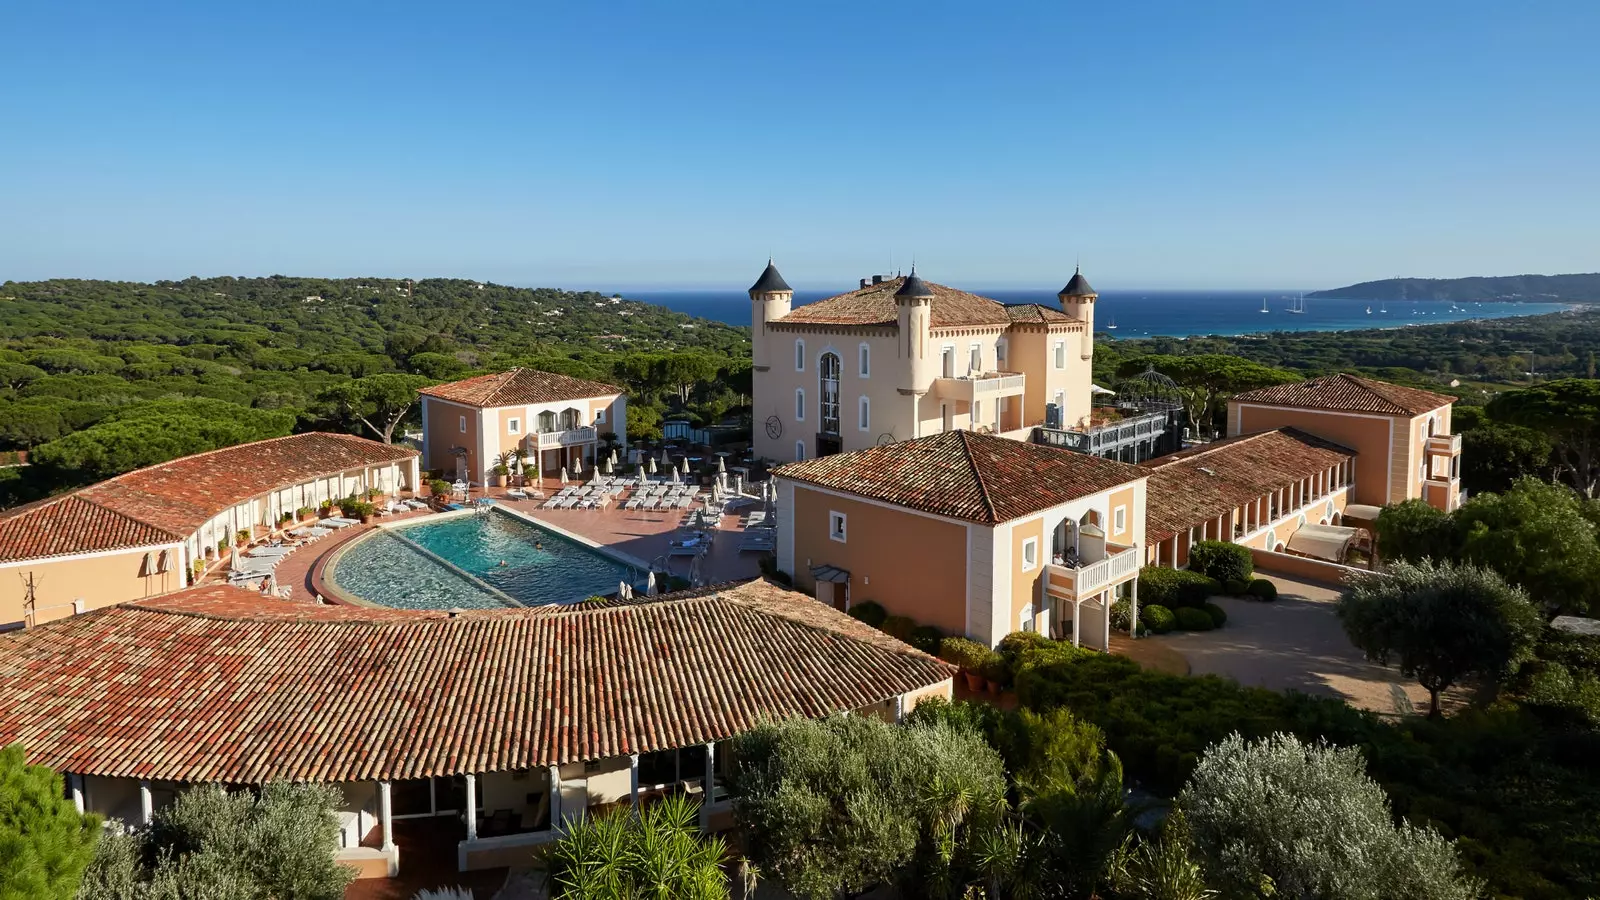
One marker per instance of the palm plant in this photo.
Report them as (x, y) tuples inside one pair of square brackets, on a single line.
[(655, 853)]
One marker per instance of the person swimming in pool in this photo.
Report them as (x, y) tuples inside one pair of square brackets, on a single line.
[(502, 562), (538, 545)]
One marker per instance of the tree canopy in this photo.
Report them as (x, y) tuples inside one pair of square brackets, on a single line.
[(1440, 622), (1567, 411), (45, 844), (1208, 379)]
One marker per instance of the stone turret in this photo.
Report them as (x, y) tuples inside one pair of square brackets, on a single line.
[(914, 307), (771, 298), (1077, 300)]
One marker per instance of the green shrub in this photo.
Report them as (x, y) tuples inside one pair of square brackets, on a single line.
[(1161, 586), (1218, 615), (1223, 560), (1121, 613), (439, 487), (1157, 618), (898, 627), (994, 668), (1014, 645), (1262, 589), (963, 652), (925, 638), (870, 612), (1190, 618), (1235, 587)]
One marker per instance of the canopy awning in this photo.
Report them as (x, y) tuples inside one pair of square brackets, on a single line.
[(1362, 512), (830, 573), (1097, 389), (1327, 542)]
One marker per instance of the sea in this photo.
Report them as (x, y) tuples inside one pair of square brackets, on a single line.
[(1136, 314)]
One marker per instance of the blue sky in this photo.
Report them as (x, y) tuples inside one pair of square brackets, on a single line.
[(618, 145)]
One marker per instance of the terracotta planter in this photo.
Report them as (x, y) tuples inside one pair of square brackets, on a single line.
[(366, 518), (992, 687), (974, 681)]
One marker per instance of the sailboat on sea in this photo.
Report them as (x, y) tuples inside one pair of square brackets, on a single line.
[(1298, 307), (1264, 305), (1111, 325)]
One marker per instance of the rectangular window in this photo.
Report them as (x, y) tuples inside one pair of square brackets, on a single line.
[(799, 356), (463, 424), (949, 362), (864, 414), (1030, 553), (974, 359), (866, 361), (1119, 520), (1026, 621), (600, 416), (836, 526), (1061, 354), (1000, 349), (514, 426), (800, 404), (799, 451)]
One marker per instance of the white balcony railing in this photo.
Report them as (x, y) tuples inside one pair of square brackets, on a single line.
[(980, 386), (549, 439), (1091, 578)]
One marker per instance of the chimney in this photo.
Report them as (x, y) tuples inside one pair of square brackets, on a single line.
[(877, 279), (863, 283)]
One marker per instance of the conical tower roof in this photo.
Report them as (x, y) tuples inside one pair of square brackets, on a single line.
[(914, 288), (1078, 286), (769, 281)]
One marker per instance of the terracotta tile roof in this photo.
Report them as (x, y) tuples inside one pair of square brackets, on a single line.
[(1038, 314), (964, 475), (1192, 486), (1349, 393), (215, 684), (169, 501), (515, 387), (71, 524), (875, 305)]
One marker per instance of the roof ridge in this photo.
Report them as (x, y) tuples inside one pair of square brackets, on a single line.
[(505, 378), (215, 450), (898, 646), (977, 474)]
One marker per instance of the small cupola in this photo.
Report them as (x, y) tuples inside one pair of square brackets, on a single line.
[(770, 281), (914, 288), (1078, 286)]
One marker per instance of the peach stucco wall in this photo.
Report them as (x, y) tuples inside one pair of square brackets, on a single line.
[(444, 432), (913, 565), (1369, 436), (97, 580), (1025, 582)]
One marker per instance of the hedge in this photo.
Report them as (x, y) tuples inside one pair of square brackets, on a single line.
[(1223, 560), (870, 612), (963, 652), (1191, 618), (925, 638), (1161, 586), (1218, 615), (1263, 589), (899, 627), (1157, 618)]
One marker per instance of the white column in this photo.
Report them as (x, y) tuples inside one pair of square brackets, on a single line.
[(472, 806), (899, 707), (707, 790), (146, 805), (1105, 608), (633, 779), (1077, 620), (75, 781), (1133, 610), (385, 816)]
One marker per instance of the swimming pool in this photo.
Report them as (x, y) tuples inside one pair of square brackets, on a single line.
[(478, 561)]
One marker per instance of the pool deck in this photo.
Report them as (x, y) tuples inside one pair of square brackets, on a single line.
[(644, 535)]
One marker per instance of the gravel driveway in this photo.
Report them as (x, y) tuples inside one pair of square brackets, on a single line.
[(1296, 642)]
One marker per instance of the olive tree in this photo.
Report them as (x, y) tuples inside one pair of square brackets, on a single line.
[(1279, 818), (1440, 622)]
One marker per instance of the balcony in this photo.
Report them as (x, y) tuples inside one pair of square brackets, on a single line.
[(546, 440), (1444, 445), (980, 386), (1137, 436), (1091, 578)]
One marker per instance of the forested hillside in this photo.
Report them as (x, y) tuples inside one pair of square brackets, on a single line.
[(1584, 288), (100, 377)]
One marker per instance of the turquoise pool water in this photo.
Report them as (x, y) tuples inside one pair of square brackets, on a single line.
[(457, 562)]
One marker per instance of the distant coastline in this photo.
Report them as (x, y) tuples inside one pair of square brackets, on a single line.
[(1576, 288), (1142, 314)]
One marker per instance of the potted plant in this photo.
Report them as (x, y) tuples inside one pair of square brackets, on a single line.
[(243, 537), (304, 513), (969, 656), (439, 487), (325, 509), (500, 472), (993, 669), (359, 509)]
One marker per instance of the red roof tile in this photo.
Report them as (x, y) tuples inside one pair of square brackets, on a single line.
[(215, 684), (515, 387), (1038, 314), (1193, 486), (875, 305), (964, 475), (1349, 393), (71, 524), (170, 500)]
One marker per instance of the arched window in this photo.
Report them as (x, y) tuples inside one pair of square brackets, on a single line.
[(864, 357), (864, 414), (547, 422), (570, 419), (828, 380), (799, 451)]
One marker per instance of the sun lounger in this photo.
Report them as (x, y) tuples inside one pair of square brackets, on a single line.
[(339, 522), (417, 504), (516, 494)]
